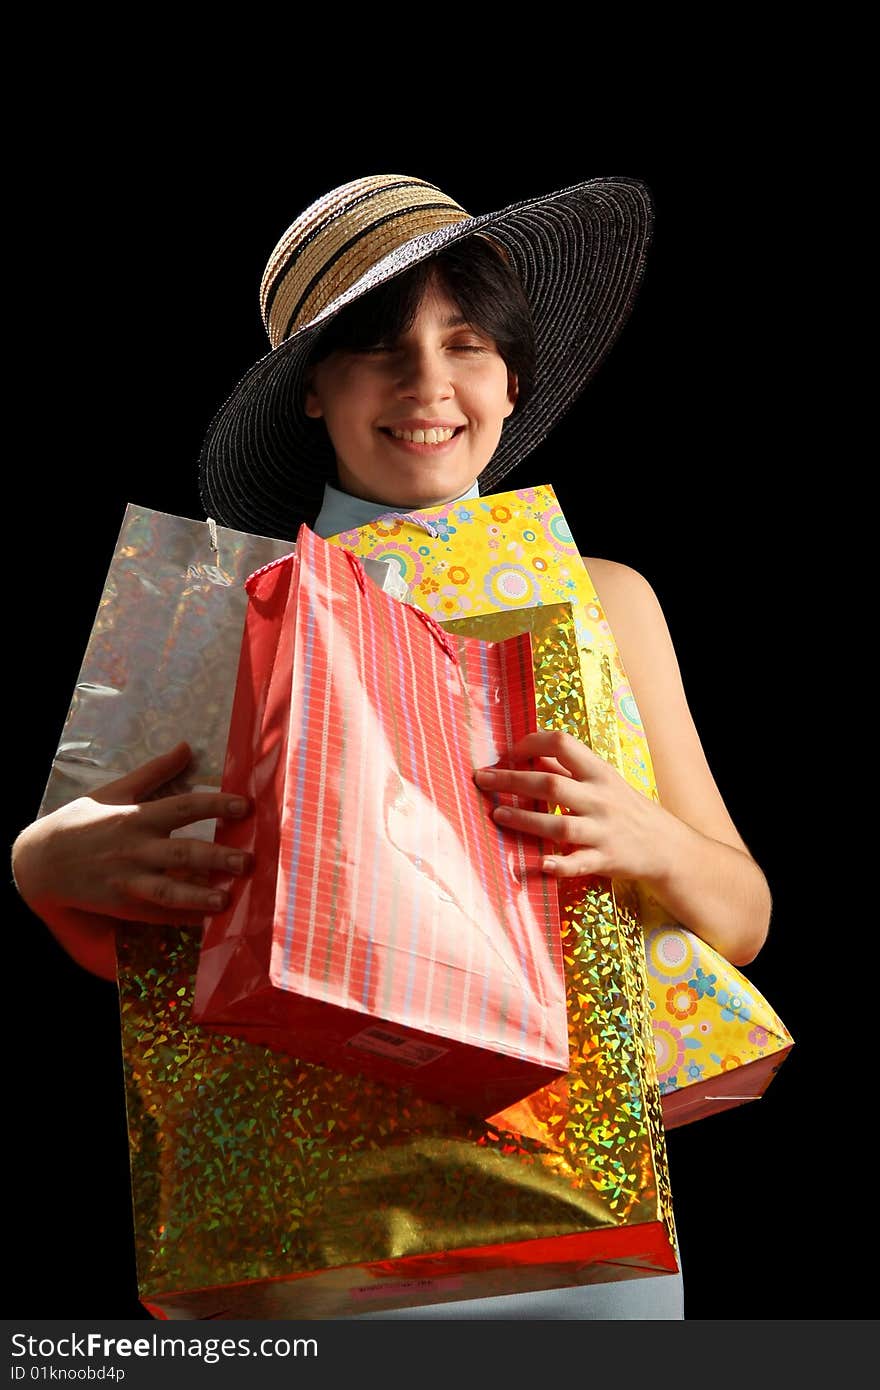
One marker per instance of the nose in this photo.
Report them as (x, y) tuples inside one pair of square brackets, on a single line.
[(424, 374)]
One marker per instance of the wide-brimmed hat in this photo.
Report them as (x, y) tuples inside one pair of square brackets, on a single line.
[(579, 252)]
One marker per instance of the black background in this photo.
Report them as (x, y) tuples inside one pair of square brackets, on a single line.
[(677, 460)]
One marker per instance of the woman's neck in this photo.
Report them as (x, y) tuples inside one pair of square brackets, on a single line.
[(340, 511)]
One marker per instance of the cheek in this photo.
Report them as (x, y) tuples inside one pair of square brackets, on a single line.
[(498, 383), (493, 399)]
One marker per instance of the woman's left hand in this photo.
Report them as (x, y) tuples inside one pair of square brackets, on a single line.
[(607, 827)]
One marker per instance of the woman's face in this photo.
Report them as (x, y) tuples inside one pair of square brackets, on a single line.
[(440, 373)]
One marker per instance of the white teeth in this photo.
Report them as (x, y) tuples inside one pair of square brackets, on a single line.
[(424, 436)]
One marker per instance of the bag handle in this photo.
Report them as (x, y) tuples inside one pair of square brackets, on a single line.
[(357, 568), (251, 580), (443, 640)]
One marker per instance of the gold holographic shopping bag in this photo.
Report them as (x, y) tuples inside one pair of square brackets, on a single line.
[(265, 1187), (718, 1041)]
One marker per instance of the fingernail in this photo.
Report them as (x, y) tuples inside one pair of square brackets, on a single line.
[(235, 862), (550, 866), (238, 807), (485, 775), (217, 899), (502, 813)]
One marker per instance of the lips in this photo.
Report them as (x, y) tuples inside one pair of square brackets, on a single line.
[(414, 447), (423, 429), (415, 423)]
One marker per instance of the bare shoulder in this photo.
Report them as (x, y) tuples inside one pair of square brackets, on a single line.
[(622, 591), (685, 782), (611, 570), (638, 624)]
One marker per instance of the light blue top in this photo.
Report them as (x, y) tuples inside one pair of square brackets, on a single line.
[(340, 511)]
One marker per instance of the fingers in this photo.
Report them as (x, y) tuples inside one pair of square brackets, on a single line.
[(194, 860), (549, 765), (148, 778), (172, 812), (175, 875), (562, 830), (142, 911), (557, 789), (581, 863), (190, 876), (572, 755), (169, 897)]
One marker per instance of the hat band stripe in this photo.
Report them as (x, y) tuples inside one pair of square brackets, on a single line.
[(319, 280), (333, 214)]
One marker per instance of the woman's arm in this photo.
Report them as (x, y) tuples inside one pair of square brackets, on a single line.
[(711, 882), (111, 856), (687, 849)]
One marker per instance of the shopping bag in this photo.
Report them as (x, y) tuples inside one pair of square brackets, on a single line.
[(269, 1187), (718, 1041), (390, 926), (162, 654), (264, 1186)]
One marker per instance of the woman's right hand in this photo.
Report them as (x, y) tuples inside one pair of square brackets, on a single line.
[(111, 853)]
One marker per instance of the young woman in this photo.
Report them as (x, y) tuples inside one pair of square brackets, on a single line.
[(418, 354)]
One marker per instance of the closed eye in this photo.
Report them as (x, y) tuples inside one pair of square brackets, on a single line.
[(456, 347)]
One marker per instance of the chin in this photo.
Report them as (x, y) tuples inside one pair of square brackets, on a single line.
[(435, 496)]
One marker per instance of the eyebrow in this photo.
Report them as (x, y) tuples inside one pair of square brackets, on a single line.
[(458, 321)]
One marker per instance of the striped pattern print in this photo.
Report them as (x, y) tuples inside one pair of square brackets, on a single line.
[(397, 895)]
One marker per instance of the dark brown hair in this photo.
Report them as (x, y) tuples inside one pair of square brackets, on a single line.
[(487, 290)]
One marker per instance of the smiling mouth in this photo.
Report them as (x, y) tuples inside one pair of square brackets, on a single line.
[(423, 439)]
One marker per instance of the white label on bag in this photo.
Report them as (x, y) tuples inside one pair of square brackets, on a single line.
[(406, 1050)]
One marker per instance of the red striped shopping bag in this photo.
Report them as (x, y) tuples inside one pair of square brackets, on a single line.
[(390, 927)]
